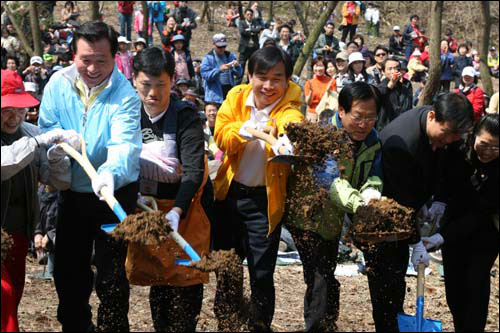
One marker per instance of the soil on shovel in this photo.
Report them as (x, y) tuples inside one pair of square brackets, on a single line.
[(315, 144), (219, 261), (147, 228), (7, 243), (381, 218)]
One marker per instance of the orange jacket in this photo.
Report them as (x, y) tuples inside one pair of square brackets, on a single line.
[(345, 14), (232, 114)]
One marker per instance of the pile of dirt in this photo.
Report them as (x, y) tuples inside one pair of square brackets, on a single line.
[(316, 145), (147, 228), (7, 243), (381, 218), (219, 261)]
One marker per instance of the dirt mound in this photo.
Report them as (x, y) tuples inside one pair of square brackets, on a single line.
[(382, 218), (7, 243), (147, 228)]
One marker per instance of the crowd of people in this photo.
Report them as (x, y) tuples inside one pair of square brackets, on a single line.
[(188, 132)]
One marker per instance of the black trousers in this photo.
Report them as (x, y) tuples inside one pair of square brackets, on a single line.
[(79, 220), (349, 29), (243, 58), (243, 224), (467, 267), (175, 309), (386, 266), (319, 261)]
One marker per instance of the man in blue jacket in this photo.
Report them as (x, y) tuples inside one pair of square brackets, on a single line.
[(218, 69), (93, 98)]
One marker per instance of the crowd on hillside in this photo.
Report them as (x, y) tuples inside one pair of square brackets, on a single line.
[(195, 135)]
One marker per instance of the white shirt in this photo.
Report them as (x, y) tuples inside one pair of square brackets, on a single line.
[(252, 170)]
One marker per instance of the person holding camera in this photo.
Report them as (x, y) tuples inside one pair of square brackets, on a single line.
[(36, 73)]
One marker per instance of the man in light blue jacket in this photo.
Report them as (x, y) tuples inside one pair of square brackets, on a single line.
[(94, 99), (218, 69)]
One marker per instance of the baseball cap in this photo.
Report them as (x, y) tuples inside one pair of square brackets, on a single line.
[(469, 71), (140, 40), (219, 40), (396, 28), (123, 39), (178, 37), (417, 53), (13, 93), (342, 55), (493, 48), (356, 56), (36, 60)]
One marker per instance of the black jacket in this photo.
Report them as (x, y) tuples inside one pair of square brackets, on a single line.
[(186, 122), (394, 101), (460, 63), (293, 51), (472, 195), (412, 170), (396, 45), (249, 39)]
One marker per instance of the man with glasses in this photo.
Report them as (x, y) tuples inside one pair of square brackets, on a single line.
[(381, 55), (218, 69), (397, 93), (412, 149)]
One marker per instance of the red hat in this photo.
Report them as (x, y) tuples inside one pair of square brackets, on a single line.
[(13, 93)]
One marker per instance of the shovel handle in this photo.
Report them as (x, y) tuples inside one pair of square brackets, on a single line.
[(84, 162), (420, 280)]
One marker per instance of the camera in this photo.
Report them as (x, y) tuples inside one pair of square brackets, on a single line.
[(37, 70)]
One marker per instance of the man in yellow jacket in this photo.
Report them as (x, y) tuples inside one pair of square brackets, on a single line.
[(250, 191)]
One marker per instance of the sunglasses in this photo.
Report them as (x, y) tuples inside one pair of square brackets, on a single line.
[(381, 54)]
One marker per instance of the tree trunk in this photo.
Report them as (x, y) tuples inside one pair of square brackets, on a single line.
[(206, 9), (271, 11), (35, 29), (20, 34), (483, 50), (145, 22), (300, 14), (240, 10), (311, 40), (308, 11), (94, 11), (434, 80)]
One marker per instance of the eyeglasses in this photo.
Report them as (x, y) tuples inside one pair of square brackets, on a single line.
[(486, 147), (358, 120), (220, 47), (381, 54)]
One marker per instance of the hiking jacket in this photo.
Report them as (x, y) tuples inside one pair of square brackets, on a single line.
[(210, 72), (231, 117), (110, 125), (475, 95)]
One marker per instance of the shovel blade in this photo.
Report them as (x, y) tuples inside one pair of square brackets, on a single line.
[(408, 323), (108, 228)]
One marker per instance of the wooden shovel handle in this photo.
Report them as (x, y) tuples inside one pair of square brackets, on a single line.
[(420, 280)]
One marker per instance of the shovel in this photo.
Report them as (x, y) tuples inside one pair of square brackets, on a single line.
[(83, 160), (417, 323)]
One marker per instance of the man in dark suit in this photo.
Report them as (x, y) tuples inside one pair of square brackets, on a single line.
[(249, 41)]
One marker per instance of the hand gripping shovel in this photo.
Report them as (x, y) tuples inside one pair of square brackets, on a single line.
[(418, 323), (83, 160)]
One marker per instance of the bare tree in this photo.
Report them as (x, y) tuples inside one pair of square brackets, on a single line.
[(35, 29), (271, 11), (240, 10), (94, 11), (20, 34), (433, 82), (313, 37), (300, 14), (145, 22), (485, 39)]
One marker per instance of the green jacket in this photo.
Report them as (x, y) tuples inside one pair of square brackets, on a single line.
[(363, 171)]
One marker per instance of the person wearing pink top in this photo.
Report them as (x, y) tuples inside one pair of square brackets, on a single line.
[(124, 58), (138, 23)]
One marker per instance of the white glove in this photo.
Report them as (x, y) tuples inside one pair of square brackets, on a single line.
[(283, 141), (173, 219), (105, 178), (371, 194), (154, 166), (244, 134), (59, 135), (433, 242), (419, 254), (436, 212)]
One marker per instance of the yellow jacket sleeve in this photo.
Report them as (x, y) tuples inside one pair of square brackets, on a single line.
[(227, 131)]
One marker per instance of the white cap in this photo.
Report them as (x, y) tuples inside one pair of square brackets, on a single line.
[(123, 39), (469, 71), (140, 40), (356, 56), (30, 86), (36, 60), (417, 53), (396, 27)]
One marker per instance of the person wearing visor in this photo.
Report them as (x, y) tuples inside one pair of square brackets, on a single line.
[(25, 162)]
